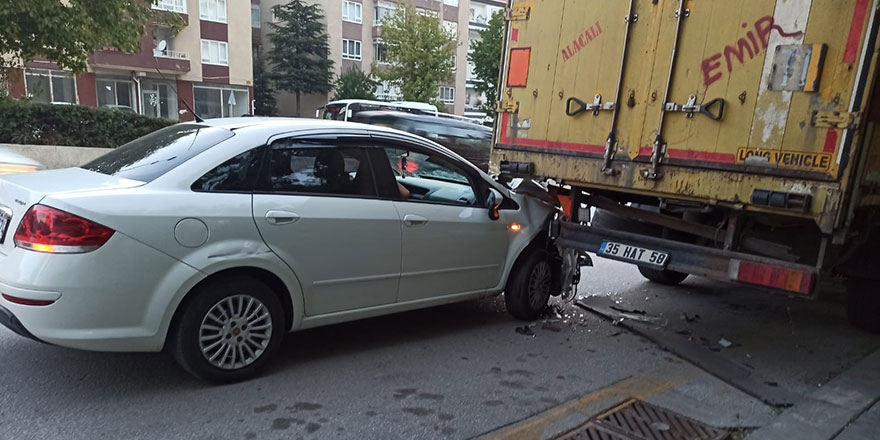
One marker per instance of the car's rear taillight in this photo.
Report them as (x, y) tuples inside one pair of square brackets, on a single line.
[(45, 229)]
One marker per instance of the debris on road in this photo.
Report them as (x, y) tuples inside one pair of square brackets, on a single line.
[(725, 343), (526, 330), (686, 318), (634, 311), (552, 326)]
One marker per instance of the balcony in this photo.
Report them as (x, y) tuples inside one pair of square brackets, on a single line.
[(173, 54), (147, 59)]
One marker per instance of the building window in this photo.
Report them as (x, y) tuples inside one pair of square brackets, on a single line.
[(379, 52), (451, 2), (383, 10), (50, 86), (351, 49), (387, 92), (256, 20), (171, 5), (447, 95), (451, 27), (352, 12), (116, 93), (158, 99), (215, 52), (212, 10), (221, 102), (428, 12)]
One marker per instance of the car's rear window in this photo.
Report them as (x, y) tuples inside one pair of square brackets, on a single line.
[(146, 158)]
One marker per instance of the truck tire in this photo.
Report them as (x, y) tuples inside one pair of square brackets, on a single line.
[(529, 285), (663, 276), (863, 304)]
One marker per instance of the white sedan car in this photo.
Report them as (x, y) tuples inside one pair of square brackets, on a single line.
[(214, 239)]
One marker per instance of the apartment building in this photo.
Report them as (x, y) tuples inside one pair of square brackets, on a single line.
[(480, 13), (355, 31), (207, 65)]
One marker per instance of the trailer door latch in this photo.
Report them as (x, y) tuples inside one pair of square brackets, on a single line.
[(517, 13), (575, 106), (692, 108), (826, 119)]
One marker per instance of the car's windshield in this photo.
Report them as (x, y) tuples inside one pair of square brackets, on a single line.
[(146, 158)]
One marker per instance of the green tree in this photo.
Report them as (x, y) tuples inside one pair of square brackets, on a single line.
[(300, 54), (264, 94), (66, 32), (485, 54), (420, 52), (355, 84)]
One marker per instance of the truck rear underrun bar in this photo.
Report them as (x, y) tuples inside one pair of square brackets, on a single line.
[(699, 260)]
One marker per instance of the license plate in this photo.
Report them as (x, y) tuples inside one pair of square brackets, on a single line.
[(5, 219), (633, 254)]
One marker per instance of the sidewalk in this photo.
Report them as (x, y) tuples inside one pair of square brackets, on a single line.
[(844, 409)]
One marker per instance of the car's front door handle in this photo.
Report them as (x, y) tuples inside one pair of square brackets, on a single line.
[(412, 220), (281, 217)]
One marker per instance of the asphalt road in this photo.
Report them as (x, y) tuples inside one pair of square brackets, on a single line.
[(457, 371)]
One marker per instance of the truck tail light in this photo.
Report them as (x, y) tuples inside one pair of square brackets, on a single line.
[(790, 280), (50, 230)]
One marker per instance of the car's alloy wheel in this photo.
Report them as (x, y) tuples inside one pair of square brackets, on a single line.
[(235, 332), (228, 329), (539, 285), (530, 284)]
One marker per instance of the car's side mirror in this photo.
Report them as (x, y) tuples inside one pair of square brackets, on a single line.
[(494, 203)]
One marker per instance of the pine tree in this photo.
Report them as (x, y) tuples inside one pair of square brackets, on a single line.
[(420, 51), (355, 84), (486, 56), (300, 54), (264, 94)]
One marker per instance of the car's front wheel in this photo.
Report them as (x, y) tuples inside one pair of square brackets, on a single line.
[(229, 330), (530, 284)]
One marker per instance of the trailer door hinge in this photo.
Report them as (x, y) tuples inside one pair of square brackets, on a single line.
[(517, 13), (828, 119), (507, 107)]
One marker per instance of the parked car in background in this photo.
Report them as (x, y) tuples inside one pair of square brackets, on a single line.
[(469, 140), (12, 163), (345, 109), (255, 227)]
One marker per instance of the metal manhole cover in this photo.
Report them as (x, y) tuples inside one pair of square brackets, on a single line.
[(637, 420)]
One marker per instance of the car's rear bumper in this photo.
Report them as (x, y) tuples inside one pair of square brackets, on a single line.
[(8, 320), (117, 298)]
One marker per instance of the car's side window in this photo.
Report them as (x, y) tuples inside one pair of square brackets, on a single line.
[(430, 178), (238, 174), (296, 166)]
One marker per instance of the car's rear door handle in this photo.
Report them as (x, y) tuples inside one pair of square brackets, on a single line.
[(281, 217), (412, 220)]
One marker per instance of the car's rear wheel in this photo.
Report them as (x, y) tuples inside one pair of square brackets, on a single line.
[(663, 276), (229, 330), (530, 285)]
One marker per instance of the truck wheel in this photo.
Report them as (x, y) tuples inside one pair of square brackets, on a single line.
[(230, 329), (863, 304), (529, 285), (663, 276)]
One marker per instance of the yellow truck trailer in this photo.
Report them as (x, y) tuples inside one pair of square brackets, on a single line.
[(731, 139)]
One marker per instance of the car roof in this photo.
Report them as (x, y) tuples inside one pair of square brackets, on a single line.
[(281, 125)]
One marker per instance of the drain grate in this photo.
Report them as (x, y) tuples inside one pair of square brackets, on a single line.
[(637, 420)]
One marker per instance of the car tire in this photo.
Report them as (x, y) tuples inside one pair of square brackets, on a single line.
[(530, 284), (863, 304), (663, 276), (229, 330)]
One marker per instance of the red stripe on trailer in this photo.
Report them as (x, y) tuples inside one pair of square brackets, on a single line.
[(855, 32)]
